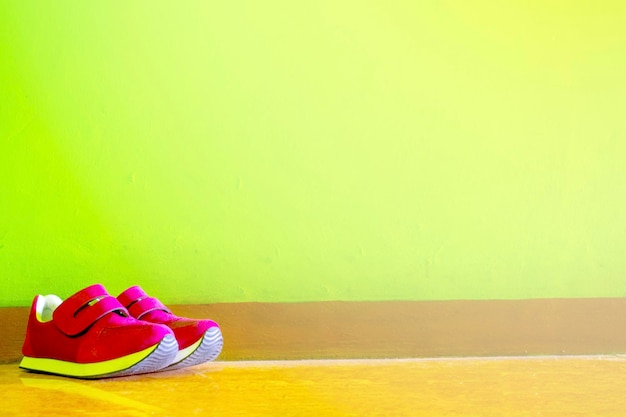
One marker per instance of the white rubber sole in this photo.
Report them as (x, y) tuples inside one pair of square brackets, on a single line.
[(148, 360), (206, 349)]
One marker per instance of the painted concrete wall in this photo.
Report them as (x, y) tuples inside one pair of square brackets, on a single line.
[(313, 150)]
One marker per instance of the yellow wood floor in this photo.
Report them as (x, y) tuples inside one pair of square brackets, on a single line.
[(499, 387)]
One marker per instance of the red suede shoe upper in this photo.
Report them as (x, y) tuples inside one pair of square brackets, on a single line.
[(90, 326), (142, 306)]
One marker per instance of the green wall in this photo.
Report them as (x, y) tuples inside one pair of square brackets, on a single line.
[(313, 150)]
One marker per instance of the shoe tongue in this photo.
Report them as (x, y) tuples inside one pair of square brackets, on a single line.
[(131, 295)]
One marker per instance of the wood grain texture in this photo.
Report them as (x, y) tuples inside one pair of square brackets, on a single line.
[(511, 387), (260, 331)]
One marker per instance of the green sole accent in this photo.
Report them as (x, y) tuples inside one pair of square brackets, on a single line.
[(85, 370), (183, 353), (204, 350)]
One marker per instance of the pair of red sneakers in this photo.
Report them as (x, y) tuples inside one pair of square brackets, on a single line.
[(95, 335)]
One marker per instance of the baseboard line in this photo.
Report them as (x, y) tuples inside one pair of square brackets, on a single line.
[(397, 329)]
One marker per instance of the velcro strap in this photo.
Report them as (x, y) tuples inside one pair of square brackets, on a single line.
[(146, 305), (77, 314), (131, 295)]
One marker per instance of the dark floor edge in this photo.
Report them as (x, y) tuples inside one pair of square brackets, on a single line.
[(397, 329)]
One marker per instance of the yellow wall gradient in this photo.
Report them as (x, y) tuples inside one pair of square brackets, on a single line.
[(313, 150)]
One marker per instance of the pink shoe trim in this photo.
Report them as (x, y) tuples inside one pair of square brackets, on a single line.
[(131, 295), (79, 312), (144, 306)]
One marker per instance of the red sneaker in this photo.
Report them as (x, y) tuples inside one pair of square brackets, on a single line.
[(91, 335), (198, 340)]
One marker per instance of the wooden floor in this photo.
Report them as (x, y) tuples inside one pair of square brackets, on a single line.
[(542, 386)]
